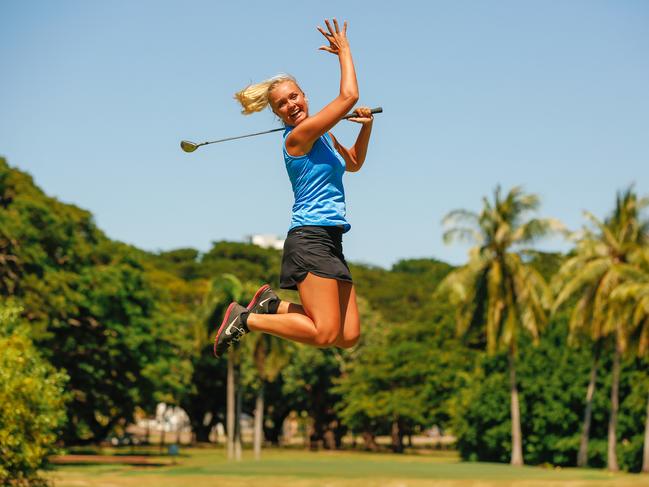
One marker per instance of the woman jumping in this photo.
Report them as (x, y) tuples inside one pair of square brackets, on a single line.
[(313, 261)]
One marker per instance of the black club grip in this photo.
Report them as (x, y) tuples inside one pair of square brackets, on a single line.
[(374, 111)]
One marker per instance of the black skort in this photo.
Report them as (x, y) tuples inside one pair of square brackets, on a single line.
[(314, 249)]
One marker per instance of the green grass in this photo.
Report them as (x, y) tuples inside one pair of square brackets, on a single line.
[(202, 467)]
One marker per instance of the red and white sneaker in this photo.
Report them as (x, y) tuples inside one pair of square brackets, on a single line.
[(231, 330), (263, 298)]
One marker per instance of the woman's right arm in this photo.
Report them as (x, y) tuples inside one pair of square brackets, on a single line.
[(302, 138)]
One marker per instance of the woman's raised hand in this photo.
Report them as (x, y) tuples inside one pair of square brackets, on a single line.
[(337, 38), (363, 115)]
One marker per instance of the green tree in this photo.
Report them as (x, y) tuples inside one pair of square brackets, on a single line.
[(416, 280), (91, 307), (222, 291), (269, 354), (248, 262), (307, 385), (602, 261), (497, 290), (32, 403), (634, 297), (402, 375), (551, 380)]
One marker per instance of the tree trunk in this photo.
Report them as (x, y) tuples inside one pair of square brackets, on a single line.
[(329, 439), (201, 433), (339, 432), (314, 436), (397, 437), (370, 441), (259, 422), (615, 404), (517, 436), (645, 455), (230, 407), (237, 419), (162, 429), (582, 456)]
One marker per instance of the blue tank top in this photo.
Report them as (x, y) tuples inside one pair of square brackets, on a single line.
[(317, 181)]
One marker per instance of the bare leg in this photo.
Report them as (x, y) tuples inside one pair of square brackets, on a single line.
[(317, 322), (350, 331)]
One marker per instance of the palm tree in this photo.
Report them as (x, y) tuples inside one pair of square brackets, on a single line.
[(583, 323), (496, 290), (270, 354), (601, 263), (222, 291), (634, 296)]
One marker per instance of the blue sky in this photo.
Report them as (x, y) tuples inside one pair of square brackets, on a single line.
[(550, 95)]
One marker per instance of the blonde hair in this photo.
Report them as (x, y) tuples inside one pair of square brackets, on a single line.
[(254, 98)]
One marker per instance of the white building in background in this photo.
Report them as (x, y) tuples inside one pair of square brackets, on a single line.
[(167, 419), (267, 241)]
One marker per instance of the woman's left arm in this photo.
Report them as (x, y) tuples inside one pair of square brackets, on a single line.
[(355, 156)]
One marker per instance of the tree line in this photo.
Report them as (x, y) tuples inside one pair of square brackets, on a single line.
[(523, 355)]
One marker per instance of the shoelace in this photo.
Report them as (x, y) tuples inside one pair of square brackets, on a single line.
[(239, 335), (240, 332)]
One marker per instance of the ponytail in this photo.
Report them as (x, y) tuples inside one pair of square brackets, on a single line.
[(254, 98)]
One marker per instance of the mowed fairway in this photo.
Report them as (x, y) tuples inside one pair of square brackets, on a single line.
[(199, 467)]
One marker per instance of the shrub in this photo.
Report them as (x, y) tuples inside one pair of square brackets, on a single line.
[(31, 404)]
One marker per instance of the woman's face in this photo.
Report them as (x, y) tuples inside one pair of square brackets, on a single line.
[(288, 103)]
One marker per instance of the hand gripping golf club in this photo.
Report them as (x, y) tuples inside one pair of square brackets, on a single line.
[(188, 146)]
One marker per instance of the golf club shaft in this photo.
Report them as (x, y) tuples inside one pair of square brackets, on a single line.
[(240, 136), (349, 115)]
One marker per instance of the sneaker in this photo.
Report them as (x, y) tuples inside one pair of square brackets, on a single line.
[(262, 299), (231, 329)]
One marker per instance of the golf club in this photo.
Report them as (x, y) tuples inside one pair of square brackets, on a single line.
[(188, 146)]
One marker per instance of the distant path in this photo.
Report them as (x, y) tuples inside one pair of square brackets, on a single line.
[(103, 459)]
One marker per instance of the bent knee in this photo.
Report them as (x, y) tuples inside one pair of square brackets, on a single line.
[(325, 339), (348, 342), (327, 332)]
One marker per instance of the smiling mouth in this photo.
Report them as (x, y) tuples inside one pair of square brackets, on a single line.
[(295, 113)]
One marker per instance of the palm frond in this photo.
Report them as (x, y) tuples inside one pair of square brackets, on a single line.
[(566, 271), (537, 228), (527, 202), (463, 287), (221, 291), (581, 315), (629, 291), (607, 235), (495, 304), (461, 216), (508, 332), (589, 275), (602, 305), (643, 337), (533, 296), (462, 234)]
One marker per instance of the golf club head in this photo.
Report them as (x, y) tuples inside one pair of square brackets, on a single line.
[(188, 146)]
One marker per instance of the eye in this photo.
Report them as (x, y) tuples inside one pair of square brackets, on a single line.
[(293, 96)]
